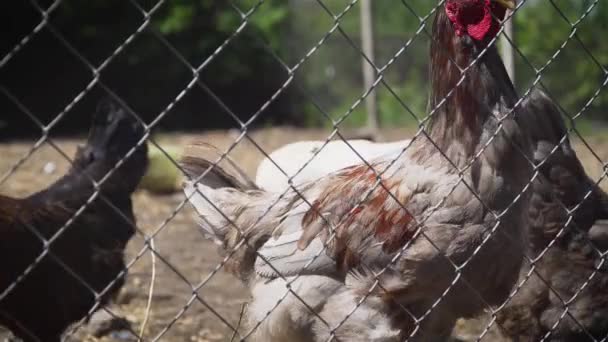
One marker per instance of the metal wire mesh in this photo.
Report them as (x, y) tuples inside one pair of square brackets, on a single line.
[(207, 292)]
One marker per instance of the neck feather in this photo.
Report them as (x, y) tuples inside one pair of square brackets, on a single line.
[(470, 104)]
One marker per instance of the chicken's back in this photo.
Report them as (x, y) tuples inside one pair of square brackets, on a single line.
[(307, 161)]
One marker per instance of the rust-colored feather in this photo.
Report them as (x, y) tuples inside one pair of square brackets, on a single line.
[(376, 216)]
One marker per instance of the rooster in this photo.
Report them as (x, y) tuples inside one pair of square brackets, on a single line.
[(562, 184), (388, 241), (578, 240), (87, 257)]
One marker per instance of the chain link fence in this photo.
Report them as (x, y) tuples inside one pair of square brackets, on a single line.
[(176, 286)]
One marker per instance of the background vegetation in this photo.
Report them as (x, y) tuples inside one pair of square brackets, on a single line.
[(46, 76)]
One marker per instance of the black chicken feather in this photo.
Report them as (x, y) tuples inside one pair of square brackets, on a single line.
[(90, 248), (574, 257)]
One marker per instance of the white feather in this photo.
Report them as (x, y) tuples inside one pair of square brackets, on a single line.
[(211, 229), (285, 311), (288, 260), (332, 157)]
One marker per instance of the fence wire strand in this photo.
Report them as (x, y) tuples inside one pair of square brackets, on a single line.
[(201, 291)]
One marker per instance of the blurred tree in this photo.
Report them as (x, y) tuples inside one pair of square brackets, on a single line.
[(45, 75), (333, 74), (541, 29), (574, 76)]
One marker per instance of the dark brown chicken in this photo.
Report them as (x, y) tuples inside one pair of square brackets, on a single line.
[(42, 303), (568, 264)]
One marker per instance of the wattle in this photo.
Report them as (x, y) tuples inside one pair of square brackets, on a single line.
[(485, 26)]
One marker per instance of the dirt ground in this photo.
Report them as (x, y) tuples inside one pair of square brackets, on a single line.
[(186, 258)]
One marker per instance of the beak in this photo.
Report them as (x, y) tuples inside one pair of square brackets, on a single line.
[(510, 4)]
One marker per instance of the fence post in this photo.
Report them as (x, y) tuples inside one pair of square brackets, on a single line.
[(507, 50), (369, 72)]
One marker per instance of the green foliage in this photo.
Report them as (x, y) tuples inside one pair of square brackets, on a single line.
[(574, 76), (179, 18), (201, 26), (266, 18), (332, 74), (269, 21)]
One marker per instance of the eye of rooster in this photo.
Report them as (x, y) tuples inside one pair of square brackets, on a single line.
[(475, 17)]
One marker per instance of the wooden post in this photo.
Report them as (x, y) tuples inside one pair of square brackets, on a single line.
[(507, 50), (369, 73)]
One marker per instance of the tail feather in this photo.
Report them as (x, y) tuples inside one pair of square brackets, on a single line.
[(229, 206), (214, 225), (209, 190), (544, 119), (222, 172), (560, 164)]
